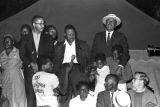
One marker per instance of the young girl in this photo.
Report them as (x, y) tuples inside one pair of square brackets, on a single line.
[(117, 54), (102, 72)]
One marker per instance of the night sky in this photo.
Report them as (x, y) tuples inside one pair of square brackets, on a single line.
[(11, 7)]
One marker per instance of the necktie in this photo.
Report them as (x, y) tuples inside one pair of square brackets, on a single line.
[(109, 35), (108, 38), (112, 105)]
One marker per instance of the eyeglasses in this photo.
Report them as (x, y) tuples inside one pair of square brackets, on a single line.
[(40, 24)]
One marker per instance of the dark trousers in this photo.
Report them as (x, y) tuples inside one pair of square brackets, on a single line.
[(75, 76), (31, 98)]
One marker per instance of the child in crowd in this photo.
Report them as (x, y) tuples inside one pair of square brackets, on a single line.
[(84, 98), (102, 72), (46, 84), (124, 73), (141, 96), (91, 74)]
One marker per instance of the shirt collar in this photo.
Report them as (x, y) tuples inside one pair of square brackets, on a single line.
[(109, 32), (66, 42)]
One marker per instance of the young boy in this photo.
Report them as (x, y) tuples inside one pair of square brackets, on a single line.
[(45, 83), (141, 96)]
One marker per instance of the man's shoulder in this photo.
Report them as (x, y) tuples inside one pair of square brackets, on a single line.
[(119, 34), (100, 33), (81, 42), (103, 93)]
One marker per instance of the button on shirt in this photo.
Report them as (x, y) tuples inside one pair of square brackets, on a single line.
[(69, 51), (36, 38)]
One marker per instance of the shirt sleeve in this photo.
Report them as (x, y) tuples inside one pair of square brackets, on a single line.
[(55, 81)]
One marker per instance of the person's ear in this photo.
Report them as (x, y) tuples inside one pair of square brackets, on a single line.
[(33, 24)]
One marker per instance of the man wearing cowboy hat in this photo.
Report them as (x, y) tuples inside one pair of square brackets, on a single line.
[(104, 41)]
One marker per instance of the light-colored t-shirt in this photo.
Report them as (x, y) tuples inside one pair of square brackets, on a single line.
[(77, 102), (43, 84)]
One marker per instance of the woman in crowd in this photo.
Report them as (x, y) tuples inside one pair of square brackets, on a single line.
[(53, 33), (24, 31), (51, 30), (12, 77)]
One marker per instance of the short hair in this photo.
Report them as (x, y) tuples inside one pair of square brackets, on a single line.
[(26, 26), (100, 56), (118, 47), (112, 76), (53, 27), (69, 26), (42, 60), (143, 76), (82, 83), (36, 17)]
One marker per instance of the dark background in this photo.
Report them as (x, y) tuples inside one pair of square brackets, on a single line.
[(86, 15), (11, 7)]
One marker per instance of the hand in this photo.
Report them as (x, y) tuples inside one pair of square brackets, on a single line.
[(119, 72), (34, 66), (68, 68), (72, 58), (56, 92)]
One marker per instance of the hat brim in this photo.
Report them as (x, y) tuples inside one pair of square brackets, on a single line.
[(117, 104), (8, 36), (118, 20)]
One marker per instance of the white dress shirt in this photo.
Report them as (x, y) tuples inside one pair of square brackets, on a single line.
[(110, 34), (69, 51), (36, 38)]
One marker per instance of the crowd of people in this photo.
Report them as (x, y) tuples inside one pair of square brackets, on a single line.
[(40, 71)]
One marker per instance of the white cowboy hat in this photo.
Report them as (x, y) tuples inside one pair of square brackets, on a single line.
[(121, 99), (111, 16)]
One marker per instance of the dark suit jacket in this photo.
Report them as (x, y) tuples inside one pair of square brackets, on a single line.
[(82, 54), (28, 52), (100, 45), (103, 99)]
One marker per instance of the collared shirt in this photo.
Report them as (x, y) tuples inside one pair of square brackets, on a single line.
[(110, 34), (36, 38), (43, 84), (69, 51)]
